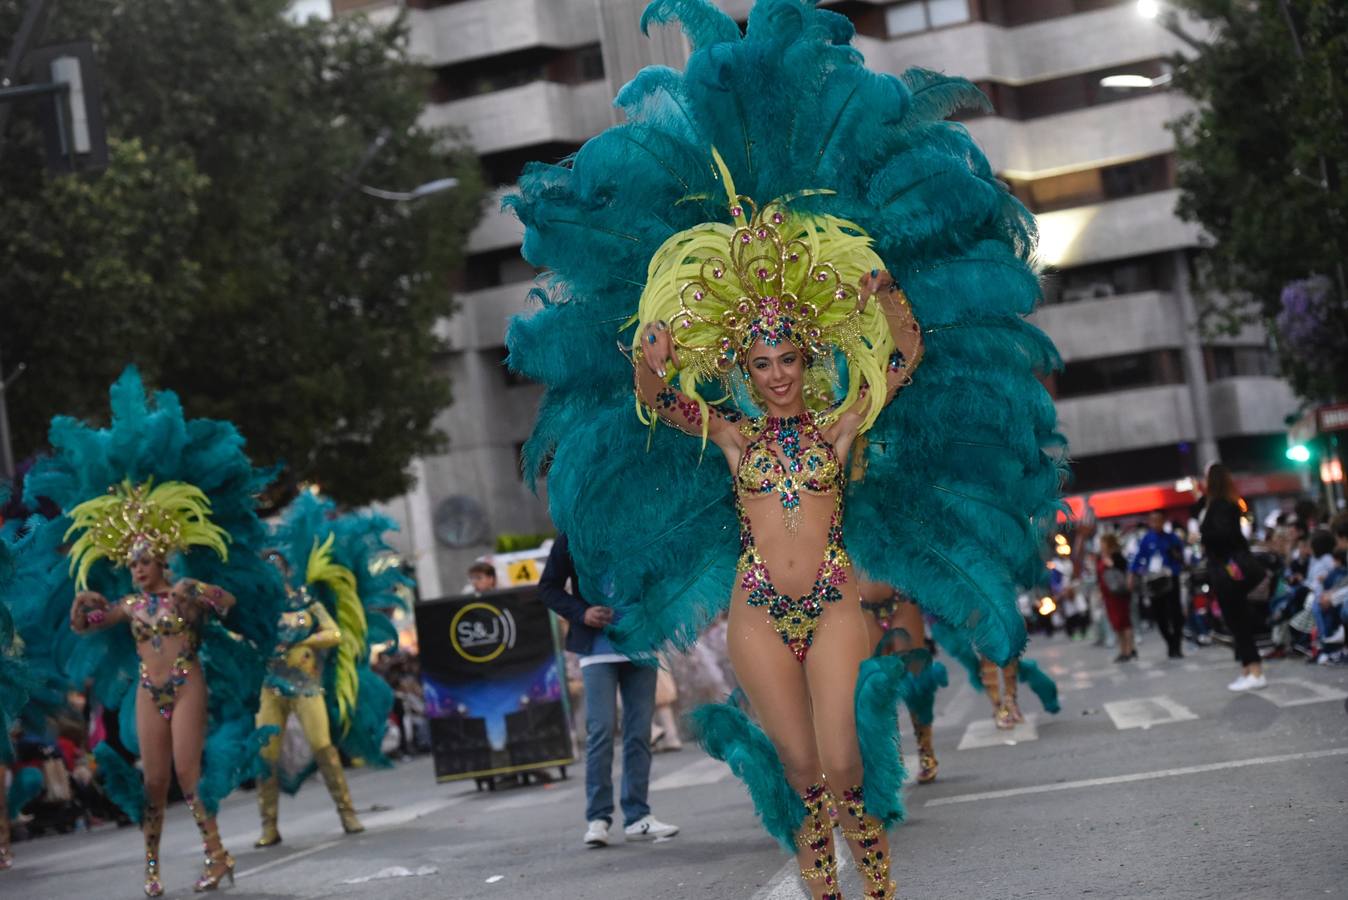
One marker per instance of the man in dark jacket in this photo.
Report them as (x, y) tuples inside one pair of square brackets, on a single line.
[(606, 673), (1160, 561)]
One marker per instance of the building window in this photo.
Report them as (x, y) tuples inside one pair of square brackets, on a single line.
[(1135, 275), (1069, 92), (921, 15), (1023, 12), (1239, 362), (1119, 373), (1141, 176)]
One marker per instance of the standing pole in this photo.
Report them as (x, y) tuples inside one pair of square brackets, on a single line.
[(6, 447), (30, 30)]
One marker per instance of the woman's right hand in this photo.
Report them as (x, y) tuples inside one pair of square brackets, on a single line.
[(88, 606), (657, 348)]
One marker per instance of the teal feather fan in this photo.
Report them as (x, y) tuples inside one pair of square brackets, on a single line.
[(35, 593), (954, 486), (149, 437), (357, 543)]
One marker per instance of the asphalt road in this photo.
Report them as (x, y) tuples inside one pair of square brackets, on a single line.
[(1154, 781)]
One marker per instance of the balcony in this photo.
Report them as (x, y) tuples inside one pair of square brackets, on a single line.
[(983, 52), (1250, 405), (497, 229), (537, 113), (1113, 326), (1082, 138), (1116, 229), (1127, 420), (483, 315), (480, 28)]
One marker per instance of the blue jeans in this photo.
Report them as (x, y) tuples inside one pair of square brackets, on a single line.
[(603, 682)]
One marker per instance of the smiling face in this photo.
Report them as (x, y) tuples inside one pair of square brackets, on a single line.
[(147, 572), (779, 375)]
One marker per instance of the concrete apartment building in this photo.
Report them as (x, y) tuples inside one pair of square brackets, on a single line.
[(1142, 400)]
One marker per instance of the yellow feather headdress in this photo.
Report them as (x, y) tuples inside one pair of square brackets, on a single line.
[(135, 520), (774, 275), (322, 569)]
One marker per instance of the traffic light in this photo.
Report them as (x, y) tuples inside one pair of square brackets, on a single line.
[(1299, 453)]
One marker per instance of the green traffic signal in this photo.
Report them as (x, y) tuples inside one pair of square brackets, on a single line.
[(1299, 453)]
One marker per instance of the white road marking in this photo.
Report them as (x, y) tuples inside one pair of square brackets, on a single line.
[(985, 733), (704, 771), (386, 819), (1138, 776), (785, 885), (528, 799), (1298, 692), (1146, 712), (288, 858)]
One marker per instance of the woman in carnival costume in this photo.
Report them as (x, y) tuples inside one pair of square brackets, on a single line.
[(1000, 683), (772, 224), (319, 670), (148, 490), (897, 627)]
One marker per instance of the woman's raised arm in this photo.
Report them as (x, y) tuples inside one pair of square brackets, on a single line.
[(674, 407)]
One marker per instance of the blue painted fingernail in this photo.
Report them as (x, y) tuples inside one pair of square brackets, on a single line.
[(875, 272), (651, 338)]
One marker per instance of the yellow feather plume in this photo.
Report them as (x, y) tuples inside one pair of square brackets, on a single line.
[(350, 619)]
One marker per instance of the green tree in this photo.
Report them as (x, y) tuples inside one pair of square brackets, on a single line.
[(1261, 167), (228, 251)]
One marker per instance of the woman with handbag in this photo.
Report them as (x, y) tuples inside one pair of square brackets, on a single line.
[(1232, 571), (1112, 575)]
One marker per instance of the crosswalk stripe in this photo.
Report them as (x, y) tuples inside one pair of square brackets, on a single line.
[(1298, 692), (984, 732), (704, 771), (1146, 712)]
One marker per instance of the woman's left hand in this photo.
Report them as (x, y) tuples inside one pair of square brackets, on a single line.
[(186, 590), (876, 283)]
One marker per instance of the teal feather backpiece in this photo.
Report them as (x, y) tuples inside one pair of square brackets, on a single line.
[(962, 471), (1043, 685), (149, 437), (359, 544)]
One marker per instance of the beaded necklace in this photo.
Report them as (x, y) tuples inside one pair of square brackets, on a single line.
[(807, 466)]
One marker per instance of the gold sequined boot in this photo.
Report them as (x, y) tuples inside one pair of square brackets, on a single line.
[(219, 864), (6, 857), (869, 845), (268, 805), (1010, 682), (152, 826), (330, 765), (926, 753), (814, 846), (991, 677)]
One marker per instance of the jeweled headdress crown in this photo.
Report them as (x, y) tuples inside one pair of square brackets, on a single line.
[(132, 521), (773, 275)]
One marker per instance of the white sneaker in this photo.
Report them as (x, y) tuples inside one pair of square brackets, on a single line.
[(1248, 683), (648, 828), (596, 835)]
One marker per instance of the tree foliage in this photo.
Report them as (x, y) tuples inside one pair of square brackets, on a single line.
[(227, 249), (1250, 166)]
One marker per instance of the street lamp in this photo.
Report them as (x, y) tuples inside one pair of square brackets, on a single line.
[(428, 189)]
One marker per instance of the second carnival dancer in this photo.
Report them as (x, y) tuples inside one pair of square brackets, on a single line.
[(772, 225), (150, 491), (319, 670)]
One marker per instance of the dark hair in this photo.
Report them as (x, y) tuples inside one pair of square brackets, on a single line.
[(1339, 524), (1220, 484), (1322, 542), (482, 568)]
